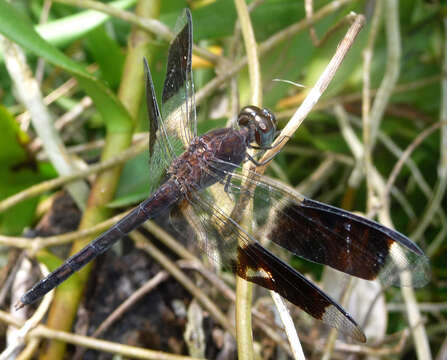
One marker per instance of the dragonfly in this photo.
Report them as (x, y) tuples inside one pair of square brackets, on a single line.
[(204, 180)]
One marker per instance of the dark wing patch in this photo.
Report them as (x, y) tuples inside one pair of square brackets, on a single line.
[(330, 236), (260, 266), (171, 132), (178, 101), (347, 242), (179, 59), (153, 111)]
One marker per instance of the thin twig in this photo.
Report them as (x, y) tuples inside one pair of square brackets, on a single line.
[(151, 25), (366, 103), (30, 324), (382, 98), (54, 183), (244, 289), (268, 45), (406, 155), (167, 264), (317, 90), (42, 331), (30, 95)]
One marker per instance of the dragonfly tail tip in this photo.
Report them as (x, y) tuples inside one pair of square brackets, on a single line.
[(18, 305)]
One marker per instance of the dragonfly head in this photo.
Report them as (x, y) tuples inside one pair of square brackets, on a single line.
[(261, 122)]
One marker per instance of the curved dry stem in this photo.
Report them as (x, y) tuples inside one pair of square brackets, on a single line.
[(43, 332), (142, 243), (244, 288), (317, 90), (150, 25), (268, 45), (382, 99), (29, 325), (406, 155), (366, 103), (30, 95)]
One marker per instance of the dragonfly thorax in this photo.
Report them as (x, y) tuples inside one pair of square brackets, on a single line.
[(261, 122)]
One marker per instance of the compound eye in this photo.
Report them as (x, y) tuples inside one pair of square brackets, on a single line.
[(247, 115), (265, 128), (261, 121)]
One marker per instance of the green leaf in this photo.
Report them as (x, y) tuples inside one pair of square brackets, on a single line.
[(107, 54), (64, 31), (17, 28), (18, 171)]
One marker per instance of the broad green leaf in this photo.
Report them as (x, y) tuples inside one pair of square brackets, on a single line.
[(107, 54), (17, 28), (18, 171), (68, 29)]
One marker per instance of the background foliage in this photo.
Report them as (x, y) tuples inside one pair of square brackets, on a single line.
[(70, 39)]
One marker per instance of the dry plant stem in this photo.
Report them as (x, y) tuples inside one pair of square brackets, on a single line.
[(333, 333), (64, 307), (308, 7), (153, 251), (24, 118), (268, 45), (415, 172), (406, 155), (251, 48), (64, 120), (354, 97), (313, 182), (163, 276), (333, 29), (440, 187), (29, 350), (94, 145), (42, 20), (30, 324), (134, 298), (150, 25), (244, 289), (318, 89), (105, 164), (426, 307), (65, 89), (30, 95), (43, 332), (382, 99), (38, 243), (391, 73), (354, 144), (366, 102), (374, 351), (213, 279), (167, 240), (289, 326)]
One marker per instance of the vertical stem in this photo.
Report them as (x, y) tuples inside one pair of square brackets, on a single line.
[(244, 288), (366, 103), (64, 308)]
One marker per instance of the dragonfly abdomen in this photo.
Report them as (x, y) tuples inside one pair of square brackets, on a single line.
[(163, 199)]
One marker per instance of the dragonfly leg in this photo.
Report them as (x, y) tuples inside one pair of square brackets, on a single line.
[(227, 188), (269, 147), (261, 163)]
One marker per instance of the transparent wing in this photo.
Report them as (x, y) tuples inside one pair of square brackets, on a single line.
[(327, 235), (178, 102), (161, 149), (228, 244), (172, 129)]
